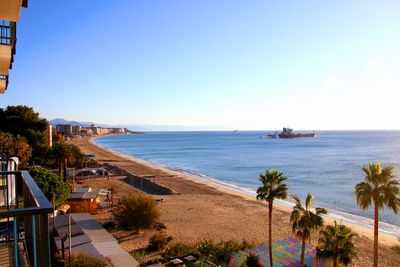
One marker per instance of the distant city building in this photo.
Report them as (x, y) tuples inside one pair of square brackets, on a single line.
[(65, 129), (75, 130)]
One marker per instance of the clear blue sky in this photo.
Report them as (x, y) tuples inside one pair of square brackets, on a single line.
[(236, 64)]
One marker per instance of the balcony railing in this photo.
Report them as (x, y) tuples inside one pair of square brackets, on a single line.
[(24, 220)]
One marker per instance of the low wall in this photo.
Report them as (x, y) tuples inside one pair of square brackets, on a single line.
[(142, 183)]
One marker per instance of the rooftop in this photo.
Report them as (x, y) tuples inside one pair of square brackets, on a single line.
[(90, 237)]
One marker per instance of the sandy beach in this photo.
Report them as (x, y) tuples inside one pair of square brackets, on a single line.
[(201, 211)]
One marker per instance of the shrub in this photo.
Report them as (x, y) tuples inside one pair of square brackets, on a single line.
[(178, 249), (139, 256), (252, 260), (221, 252), (159, 240), (50, 184), (85, 260), (138, 211), (108, 225), (396, 249)]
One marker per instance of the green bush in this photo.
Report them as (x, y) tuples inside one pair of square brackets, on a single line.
[(159, 241), (219, 253), (396, 249), (137, 211), (222, 251), (252, 260), (179, 249), (50, 184), (85, 260), (139, 256)]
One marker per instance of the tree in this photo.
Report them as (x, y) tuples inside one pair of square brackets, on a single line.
[(335, 242), (16, 146), (304, 220), (273, 187), (50, 184), (61, 153), (380, 187), (77, 157), (24, 121)]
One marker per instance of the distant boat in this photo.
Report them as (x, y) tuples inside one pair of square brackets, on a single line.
[(236, 130), (288, 133)]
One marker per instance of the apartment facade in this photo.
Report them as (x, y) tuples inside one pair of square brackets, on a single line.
[(9, 16)]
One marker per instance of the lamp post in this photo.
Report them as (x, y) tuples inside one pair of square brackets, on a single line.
[(62, 249)]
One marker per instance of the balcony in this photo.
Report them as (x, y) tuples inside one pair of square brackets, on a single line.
[(24, 234)]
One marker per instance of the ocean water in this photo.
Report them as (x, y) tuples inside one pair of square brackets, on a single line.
[(328, 166)]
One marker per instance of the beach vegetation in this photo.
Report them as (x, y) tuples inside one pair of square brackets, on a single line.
[(273, 187), (139, 255), (177, 249), (23, 121), (336, 243), (159, 241), (50, 184), (221, 252), (380, 188), (137, 212), (113, 192), (304, 220), (253, 260), (82, 259), (396, 249)]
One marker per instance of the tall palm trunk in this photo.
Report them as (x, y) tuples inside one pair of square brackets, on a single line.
[(376, 220), (65, 169), (270, 232), (303, 245), (59, 168)]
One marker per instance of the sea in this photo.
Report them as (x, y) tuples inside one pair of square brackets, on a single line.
[(328, 166)]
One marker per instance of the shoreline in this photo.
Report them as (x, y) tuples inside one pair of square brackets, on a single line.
[(285, 206)]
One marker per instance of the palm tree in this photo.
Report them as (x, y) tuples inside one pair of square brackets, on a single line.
[(62, 153), (335, 242), (381, 187), (304, 220), (273, 187)]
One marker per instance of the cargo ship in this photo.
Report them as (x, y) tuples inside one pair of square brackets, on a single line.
[(288, 133)]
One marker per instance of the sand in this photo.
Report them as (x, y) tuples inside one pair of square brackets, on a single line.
[(202, 211)]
